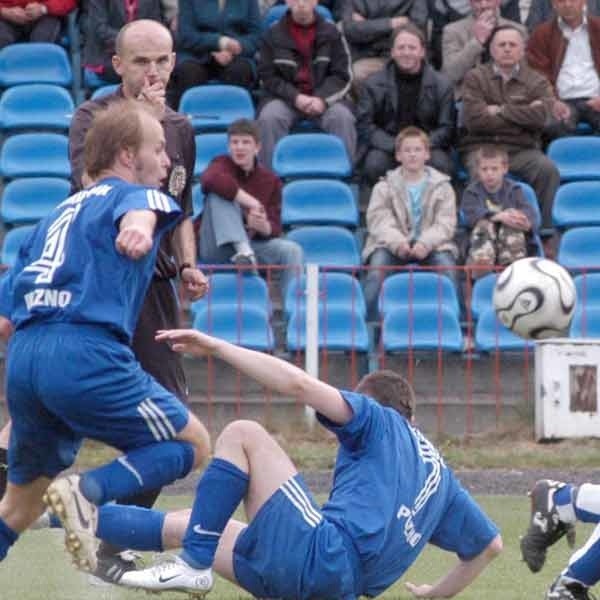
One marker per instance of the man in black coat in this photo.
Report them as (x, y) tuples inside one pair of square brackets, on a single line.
[(406, 92)]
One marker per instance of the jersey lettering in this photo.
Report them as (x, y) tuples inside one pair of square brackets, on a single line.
[(431, 457), (47, 297)]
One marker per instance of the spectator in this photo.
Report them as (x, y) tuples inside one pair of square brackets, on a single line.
[(27, 21), (443, 12), (496, 213), (411, 216), (335, 7), (104, 19), (567, 51), (241, 220), (170, 9), (215, 40), (542, 10), (408, 91), (508, 103), (305, 71), (368, 25), (465, 42)]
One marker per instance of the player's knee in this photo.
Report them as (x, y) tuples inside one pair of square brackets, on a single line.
[(240, 433), (197, 435)]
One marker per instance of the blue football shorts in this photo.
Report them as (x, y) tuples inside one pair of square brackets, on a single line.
[(66, 382), (290, 551)]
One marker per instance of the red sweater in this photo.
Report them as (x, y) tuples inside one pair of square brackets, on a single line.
[(224, 178), (57, 8)]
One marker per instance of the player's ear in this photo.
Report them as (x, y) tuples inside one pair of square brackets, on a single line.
[(126, 157)]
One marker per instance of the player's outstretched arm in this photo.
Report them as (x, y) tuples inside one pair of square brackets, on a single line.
[(460, 576), (271, 372), (136, 230)]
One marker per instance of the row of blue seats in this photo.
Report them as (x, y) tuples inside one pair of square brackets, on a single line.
[(46, 154)]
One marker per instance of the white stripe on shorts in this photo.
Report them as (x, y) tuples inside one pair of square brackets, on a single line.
[(297, 496), (155, 432), (160, 417)]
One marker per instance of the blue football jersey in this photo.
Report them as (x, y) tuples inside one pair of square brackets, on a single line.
[(68, 269), (390, 491)]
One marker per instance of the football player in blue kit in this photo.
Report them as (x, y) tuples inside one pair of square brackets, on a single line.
[(76, 290), (392, 494)]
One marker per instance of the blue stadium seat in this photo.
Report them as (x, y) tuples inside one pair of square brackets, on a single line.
[(104, 90), (340, 330), (491, 334), (579, 248), (577, 204), (34, 62), (233, 290), (197, 201), (587, 287), (29, 200), (12, 242), (275, 13), (311, 155), (36, 106), (215, 107), (92, 80), (421, 328), (318, 202), (245, 325), (35, 155), (418, 288), (335, 290), (208, 146), (483, 292), (577, 157), (586, 323), (327, 245)]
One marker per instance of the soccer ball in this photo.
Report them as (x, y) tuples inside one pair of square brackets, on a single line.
[(535, 298)]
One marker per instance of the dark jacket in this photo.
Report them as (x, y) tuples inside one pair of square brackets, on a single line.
[(201, 24), (474, 204), (371, 38), (547, 47), (378, 109), (280, 60), (104, 19)]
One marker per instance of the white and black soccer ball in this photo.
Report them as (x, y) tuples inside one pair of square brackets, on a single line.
[(535, 298)]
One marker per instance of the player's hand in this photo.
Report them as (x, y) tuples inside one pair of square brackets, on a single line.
[(154, 96), (419, 251), (484, 25), (420, 591), (15, 14), (594, 103), (195, 283), (223, 57), (35, 10), (188, 341), (134, 242), (402, 250)]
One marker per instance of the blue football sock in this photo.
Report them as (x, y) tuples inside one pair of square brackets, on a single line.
[(220, 490), (7, 538), (583, 565), (140, 470), (131, 527)]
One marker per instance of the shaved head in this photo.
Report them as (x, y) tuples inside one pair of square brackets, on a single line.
[(142, 31)]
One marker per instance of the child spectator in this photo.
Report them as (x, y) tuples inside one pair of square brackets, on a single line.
[(496, 212), (411, 216)]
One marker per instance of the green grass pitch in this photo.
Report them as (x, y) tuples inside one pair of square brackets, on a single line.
[(37, 568)]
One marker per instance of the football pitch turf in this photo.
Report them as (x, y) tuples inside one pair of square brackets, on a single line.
[(37, 568)]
